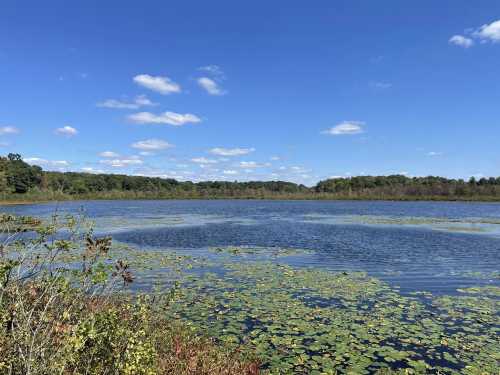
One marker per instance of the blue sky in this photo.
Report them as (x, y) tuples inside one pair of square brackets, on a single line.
[(260, 90)]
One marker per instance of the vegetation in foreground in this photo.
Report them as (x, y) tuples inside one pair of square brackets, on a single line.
[(21, 182), (62, 312)]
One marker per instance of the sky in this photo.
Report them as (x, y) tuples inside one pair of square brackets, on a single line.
[(256, 90)]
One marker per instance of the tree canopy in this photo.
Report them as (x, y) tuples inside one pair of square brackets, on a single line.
[(18, 178)]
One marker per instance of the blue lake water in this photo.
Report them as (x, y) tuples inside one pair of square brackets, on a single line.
[(419, 246)]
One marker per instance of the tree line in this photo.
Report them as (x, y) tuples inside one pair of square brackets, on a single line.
[(19, 180)]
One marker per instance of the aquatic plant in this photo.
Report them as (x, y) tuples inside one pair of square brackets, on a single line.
[(313, 321)]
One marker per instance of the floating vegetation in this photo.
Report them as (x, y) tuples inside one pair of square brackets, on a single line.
[(311, 321), (152, 221), (11, 223), (464, 229), (462, 225), (489, 290), (274, 252), (481, 275)]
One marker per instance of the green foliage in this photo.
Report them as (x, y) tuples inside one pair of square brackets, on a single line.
[(18, 180), (402, 187), (19, 176)]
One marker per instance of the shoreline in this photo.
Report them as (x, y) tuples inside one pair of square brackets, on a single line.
[(329, 199)]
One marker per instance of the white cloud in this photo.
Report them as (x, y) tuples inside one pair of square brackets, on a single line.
[(138, 102), (214, 70), (92, 170), (163, 85), (434, 153), (151, 145), (67, 131), (346, 128), (461, 41), (203, 160), (210, 86), (299, 169), (252, 164), (8, 130), (122, 162), (108, 154), (230, 172), (231, 151), (489, 32), (45, 162), (486, 33), (275, 158), (170, 118)]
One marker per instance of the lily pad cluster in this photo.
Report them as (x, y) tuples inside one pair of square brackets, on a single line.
[(259, 251), (311, 321)]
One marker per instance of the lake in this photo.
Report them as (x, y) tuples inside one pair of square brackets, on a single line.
[(410, 265)]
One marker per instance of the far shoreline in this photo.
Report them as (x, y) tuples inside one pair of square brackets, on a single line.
[(7, 203)]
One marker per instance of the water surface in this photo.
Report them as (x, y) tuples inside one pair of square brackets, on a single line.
[(433, 246), (320, 287)]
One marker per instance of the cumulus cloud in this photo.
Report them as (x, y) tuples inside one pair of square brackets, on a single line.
[(117, 163), (230, 172), (47, 163), (67, 130), (484, 34), (346, 128), (231, 151), (210, 86), (138, 102), (489, 32), (170, 118), (462, 41), (8, 130), (151, 145), (162, 85), (204, 160)]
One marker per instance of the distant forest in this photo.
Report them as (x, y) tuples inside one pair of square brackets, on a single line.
[(20, 181)]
